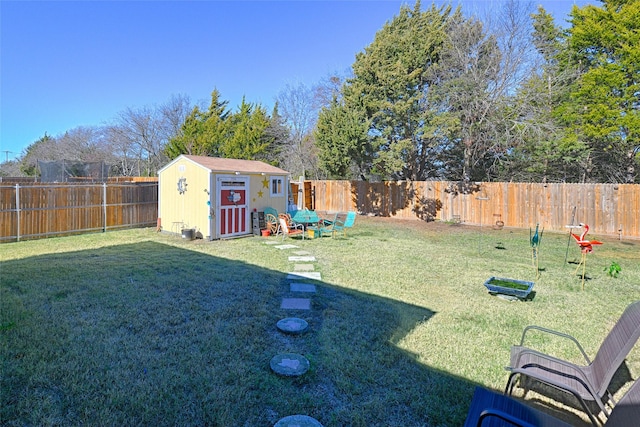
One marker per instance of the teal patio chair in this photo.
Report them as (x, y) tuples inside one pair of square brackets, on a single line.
[(341, 225)]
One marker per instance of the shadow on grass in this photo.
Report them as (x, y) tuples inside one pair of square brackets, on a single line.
[(152, 334)]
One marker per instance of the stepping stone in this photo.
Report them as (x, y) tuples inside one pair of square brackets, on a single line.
[(302, 287), (296, 304), (302, 258), (298, 421), (303, 267), (286, 246), (271, 242), (289, 364), (292, 325), (314, 275), (302, 253)]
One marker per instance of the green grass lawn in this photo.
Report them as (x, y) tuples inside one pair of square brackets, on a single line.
[(139, 328)]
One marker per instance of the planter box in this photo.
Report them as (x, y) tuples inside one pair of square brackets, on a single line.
[(516, 288)]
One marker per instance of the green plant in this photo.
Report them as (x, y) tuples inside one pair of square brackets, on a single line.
[(613, 269)]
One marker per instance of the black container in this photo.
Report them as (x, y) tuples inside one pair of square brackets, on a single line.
[(188, 233)]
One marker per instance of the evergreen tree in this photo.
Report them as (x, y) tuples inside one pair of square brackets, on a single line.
[(544, 151), (203, 132), (277, 134), (247, 138), (343, 142), (42, 149), (388, 93), (603, 108)]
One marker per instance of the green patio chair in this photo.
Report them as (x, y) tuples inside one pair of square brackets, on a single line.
[(325, 226)]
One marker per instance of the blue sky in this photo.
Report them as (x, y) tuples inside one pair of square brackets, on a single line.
[(66, 64)]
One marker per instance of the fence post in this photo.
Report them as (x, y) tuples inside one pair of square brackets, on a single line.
[(104, 207), (18, 212)]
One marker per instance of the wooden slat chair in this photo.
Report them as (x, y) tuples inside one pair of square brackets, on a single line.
[(589, 382)]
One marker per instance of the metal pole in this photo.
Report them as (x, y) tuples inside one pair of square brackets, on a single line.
[(104, 206), (480, 238), (18, 212), (570, 226)]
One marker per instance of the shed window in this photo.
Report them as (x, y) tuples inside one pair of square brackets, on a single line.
[(277, 186)]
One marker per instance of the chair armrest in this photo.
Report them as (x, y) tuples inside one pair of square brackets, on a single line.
[(326, 221), (503, 416), (556, 333)]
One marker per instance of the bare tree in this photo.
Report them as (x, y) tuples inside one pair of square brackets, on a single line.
[(81, 144), (172, 115), (126, 161), (480, 69), (297, 107), (328, 89), (10, 168), (141, 134)]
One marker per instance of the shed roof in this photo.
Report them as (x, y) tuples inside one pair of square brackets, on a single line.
[(219, 164)]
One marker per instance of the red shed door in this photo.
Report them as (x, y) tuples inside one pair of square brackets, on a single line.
[(232, 206)]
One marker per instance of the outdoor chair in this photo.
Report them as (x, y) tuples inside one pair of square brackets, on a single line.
[(343, 224), (325, 226), (289, 228), (587, 383), (490, 409), (323, 216)]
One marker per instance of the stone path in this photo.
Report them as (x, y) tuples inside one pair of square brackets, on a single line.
[(302, 287), (301, 275), (300, 258), (296, 304), (292, 325), (285, 246), (298, 421), (289, 364), (292, 364)]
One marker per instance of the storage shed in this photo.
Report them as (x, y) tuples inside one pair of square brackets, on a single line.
[(215, 196)]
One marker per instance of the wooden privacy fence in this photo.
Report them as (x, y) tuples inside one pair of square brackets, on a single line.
[(612, 209), (35, 210), (31, 211)]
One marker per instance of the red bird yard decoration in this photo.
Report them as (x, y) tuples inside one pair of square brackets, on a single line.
[(586, 247)]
